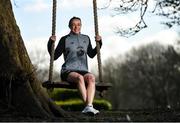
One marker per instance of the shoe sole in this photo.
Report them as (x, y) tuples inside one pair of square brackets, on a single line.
[(90, 113)]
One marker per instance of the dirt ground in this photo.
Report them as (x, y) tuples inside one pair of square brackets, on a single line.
[(104, 116)]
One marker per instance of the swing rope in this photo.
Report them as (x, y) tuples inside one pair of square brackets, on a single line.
[(97, 43), (53, 33)]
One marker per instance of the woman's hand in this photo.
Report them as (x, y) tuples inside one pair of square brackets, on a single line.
[(98, 38), (53, 38)]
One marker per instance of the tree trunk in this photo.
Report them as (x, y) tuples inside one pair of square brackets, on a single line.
[(20, 89)]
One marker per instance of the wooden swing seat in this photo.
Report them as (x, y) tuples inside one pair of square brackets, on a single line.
[(100, 86)]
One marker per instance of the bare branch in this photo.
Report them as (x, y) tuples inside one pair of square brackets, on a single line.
[(106, 6), (135, 6), (169, 9), (164, 8)]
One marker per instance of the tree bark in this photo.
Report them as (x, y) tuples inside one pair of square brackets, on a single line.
[(20, 89)]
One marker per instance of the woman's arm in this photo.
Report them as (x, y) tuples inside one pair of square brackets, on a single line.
[(59, 49), (92, 52)]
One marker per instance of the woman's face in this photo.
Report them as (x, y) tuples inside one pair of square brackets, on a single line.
[(76, 26)]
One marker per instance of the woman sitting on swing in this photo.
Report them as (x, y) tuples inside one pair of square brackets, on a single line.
[(75, 48)]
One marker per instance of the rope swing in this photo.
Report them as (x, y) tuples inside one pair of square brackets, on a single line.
[(101, 86)]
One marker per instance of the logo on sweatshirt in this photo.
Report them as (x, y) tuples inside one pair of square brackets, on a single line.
[(80, 51)]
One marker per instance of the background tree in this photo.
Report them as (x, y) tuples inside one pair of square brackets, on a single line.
[(20, 88), (148, 77)]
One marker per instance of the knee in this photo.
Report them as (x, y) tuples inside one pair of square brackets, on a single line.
[(90, 79), (80, 79)]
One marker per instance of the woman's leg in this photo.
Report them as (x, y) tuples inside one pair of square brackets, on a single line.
[(90, 92), (79, 80)]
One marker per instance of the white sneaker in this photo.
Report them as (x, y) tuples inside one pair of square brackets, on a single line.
[(90, 110)]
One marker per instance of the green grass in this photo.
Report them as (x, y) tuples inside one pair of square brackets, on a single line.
[(77, 104)]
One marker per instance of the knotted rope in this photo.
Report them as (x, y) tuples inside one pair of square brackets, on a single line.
[(53, 33), (97, 43)]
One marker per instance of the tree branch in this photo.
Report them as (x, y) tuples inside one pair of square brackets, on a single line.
[(135, 6)]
